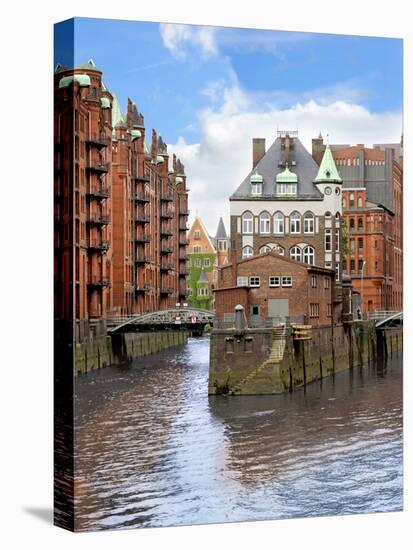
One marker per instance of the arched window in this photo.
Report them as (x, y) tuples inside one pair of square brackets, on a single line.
[(344, 203), (264, 222), (279, 223), (309, 223), (338, 219), (295, 223), (351, 200), (295, 253), (247, 252), (279, 249), (309, 255), (352, 223), (264, 249), (360, 202), (247, 223), (360, 224)]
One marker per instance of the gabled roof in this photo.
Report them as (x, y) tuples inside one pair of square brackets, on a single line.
[(221, 231), (305, 168), (328, 170), (198, 221)]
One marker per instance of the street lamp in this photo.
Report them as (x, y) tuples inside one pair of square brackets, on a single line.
[(362, 274)]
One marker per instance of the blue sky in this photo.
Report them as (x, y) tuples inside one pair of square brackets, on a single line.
[(281, 66), (209, 90)]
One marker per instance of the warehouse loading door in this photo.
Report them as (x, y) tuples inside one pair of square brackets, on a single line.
[(278, 308)]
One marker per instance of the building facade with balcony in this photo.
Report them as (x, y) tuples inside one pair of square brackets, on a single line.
[(120, 210), (373, 215)]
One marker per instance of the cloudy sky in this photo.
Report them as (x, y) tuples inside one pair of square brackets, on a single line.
[(209, 90)]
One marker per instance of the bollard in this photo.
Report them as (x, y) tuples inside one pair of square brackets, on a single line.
[(239, 317)]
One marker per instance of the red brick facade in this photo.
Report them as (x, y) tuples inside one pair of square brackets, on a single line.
[(120, 215), (308, 289)]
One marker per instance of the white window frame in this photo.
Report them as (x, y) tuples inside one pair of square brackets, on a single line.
[(328, 245), (286, 281), (313, 281), (254, 281), (295, 223), (274, 281), (309, 255), (309, 223), (265, 223), (242, 281), (264, 249), (279, 223), (197, 249), (293, 253), (247, 251), (197, 262), (256, 189), (207, 262), (247, 223), (326, 283)]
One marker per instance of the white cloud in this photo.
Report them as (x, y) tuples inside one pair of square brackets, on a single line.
[(218, 163), (180, 39)]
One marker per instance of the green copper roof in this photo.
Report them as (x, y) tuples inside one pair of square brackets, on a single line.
[(82, 79), (147, 148), (135, 134), (286, 176), (328, 170), (179, 179), (159, 159), (256, 178), (105, 103)]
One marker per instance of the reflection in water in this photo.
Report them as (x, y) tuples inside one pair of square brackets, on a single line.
[(153, 449)]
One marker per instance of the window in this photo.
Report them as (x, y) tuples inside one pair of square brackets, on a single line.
[(360, 224), (222, 245), (314, 310), (264, 249), (360, 202), (361, 262), (247, 223), (197, 235), (326, 283), (255, 309), (344, 203), (338, 221), (328, 310), (197, 249), (351, 200), (256, 189), (279, 223), (247, 252), (189, 290), (376, 265), (352, 226), (207, 262), (295, 253), (197, 262), (376, 244), (254, 281), (286, 189), (242, 281), (352, 266), (337, 272), (351, 246), (344, 265), (327, 240), (309, 255), (313, 281), (286, 281), (360, 245), (203, 291), (309, 223), (264, 222), (274, 281), (337, 243), (295, 223)]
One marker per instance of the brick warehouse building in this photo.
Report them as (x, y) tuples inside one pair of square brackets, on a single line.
[(270, 285), (289, 204), (120, 215), (373, 212)]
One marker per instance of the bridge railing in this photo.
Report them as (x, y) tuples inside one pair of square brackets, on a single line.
[(381, 315)]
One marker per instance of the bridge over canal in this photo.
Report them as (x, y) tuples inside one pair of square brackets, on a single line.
[(192, 319)]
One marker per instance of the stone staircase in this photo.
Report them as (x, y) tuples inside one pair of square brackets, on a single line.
[(275, 357)]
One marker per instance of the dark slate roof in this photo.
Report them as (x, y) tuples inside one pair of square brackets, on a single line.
[(180, 168), (306, 169), (221, 231)]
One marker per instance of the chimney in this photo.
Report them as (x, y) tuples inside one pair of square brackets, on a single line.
[(258, 150)]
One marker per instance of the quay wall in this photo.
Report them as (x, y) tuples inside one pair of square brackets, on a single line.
[(241, 361), (121, 348)]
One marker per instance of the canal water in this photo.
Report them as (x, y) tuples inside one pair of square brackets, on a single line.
[(154, 450)]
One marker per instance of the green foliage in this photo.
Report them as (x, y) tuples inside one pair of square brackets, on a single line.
[(344, 239)]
